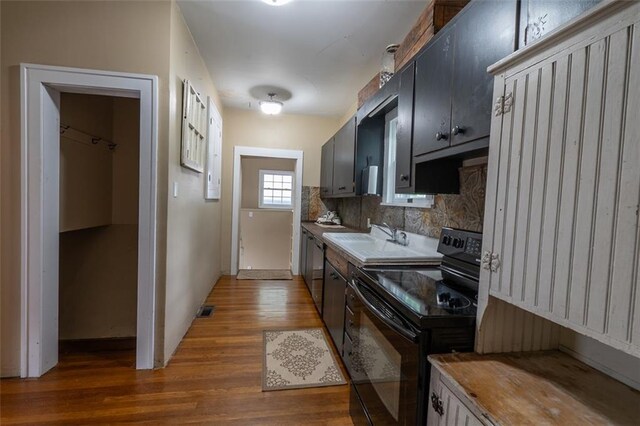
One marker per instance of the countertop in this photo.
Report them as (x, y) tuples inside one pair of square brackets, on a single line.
[(318, 230), (547, 387)]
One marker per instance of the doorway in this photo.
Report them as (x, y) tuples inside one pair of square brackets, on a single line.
[(267, 188), (98, 246), (41, 90)]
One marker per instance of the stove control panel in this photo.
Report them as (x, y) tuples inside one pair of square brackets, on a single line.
[(461, 245)]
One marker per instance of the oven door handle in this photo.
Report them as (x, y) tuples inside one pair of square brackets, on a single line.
[(404, 332)]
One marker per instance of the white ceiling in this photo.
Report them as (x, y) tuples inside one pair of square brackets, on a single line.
[(322, 51)]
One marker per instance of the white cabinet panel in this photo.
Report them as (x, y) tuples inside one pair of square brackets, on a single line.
[(562, 220)]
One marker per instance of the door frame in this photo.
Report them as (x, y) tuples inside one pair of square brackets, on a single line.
[(247, 151), (40, 88)]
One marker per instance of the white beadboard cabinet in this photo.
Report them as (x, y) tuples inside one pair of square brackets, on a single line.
[(561, 234)]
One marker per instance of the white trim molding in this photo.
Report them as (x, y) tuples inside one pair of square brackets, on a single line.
[(40, 88), (245, 151)]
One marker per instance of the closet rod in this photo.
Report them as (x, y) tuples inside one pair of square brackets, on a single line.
[(80, 136)]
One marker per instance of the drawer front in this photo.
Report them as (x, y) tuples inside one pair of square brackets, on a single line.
[(350, 324), (346, 353), (352, 299), (337, 261)]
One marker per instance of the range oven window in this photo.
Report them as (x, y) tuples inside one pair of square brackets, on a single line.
[(382, 366), (384, 362)]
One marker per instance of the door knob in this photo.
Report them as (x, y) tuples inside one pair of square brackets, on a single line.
[(404, 177), (457, 130), (441, 136)]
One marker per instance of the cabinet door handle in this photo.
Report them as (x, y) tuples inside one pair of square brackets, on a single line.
[(333, 275), (441, 136), (457, 130), (436, 403), (404, 177), (342, 188)]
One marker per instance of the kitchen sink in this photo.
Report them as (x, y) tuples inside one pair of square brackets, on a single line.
[(375, 248)]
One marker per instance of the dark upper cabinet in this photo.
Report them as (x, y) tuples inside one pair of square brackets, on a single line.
[(344, 150), (326, 169), (404, 133), (539, 17), (432, 104), (453, 90), (484, 34)]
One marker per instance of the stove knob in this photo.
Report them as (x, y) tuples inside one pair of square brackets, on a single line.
[(455, 302), (444, 297)]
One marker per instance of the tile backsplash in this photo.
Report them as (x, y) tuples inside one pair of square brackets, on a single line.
[(464, 210)]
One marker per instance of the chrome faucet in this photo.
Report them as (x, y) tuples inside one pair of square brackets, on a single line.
[(395, 235)]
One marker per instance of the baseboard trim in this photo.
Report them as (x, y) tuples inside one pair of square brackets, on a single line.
[(97, 345)]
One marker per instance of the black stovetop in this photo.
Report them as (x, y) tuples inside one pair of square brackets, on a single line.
[(424, 292)]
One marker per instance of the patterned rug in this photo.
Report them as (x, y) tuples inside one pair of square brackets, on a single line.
[(264, 274), (298, 359)]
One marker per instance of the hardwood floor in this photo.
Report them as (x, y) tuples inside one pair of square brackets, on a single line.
[(214, 377)]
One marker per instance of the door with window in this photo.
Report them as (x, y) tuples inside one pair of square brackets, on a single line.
[(266, 214)]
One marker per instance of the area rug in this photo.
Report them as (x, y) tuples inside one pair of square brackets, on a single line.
[(264, 274), (296, 359)]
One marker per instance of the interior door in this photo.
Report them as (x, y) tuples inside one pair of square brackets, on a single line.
[(47, 342)]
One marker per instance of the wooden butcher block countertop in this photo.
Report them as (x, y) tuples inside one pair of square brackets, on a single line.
[(541, 388)]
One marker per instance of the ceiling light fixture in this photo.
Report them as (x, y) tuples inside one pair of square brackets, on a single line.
[(271, 107), (276, 2)]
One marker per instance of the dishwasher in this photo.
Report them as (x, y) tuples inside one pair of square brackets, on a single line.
[(317, 281)]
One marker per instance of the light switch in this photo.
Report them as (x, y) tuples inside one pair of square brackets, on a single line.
[(175, 189), (250, 214)]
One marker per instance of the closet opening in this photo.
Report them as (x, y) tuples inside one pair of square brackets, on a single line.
[(98, 230)]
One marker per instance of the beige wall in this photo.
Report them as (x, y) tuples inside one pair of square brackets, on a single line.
[(98, 282), (251, 167), (254, 129), (74, 34), (138, 37), (86, 171), (193, 237), (265, 239)]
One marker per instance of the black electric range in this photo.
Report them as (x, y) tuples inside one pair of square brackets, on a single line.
[(396, 316)]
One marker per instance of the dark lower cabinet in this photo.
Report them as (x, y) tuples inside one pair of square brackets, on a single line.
[(317, 272), (308, 264), (334, 304), (303, 253)]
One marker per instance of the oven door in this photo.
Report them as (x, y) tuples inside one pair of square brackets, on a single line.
[(383, 359)]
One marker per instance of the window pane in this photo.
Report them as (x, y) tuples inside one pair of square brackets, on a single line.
[(268, 193), (287, 179), (287, 185), (277, 178), (277, 193)]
